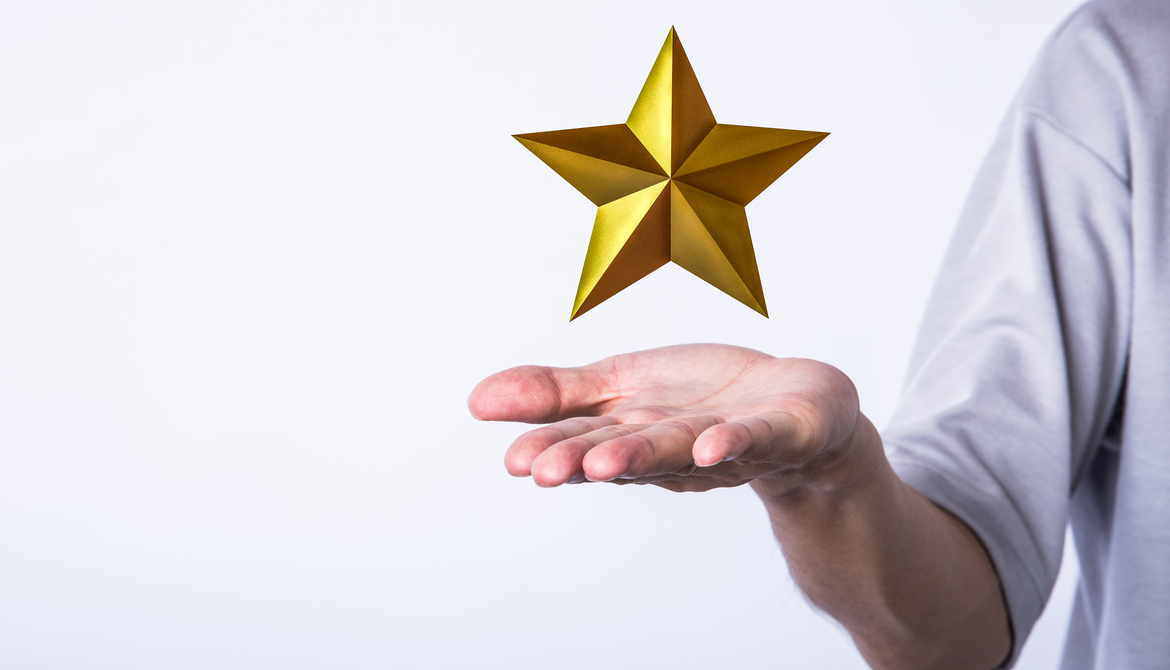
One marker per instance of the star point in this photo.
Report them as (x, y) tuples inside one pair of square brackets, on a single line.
[(671, 185)]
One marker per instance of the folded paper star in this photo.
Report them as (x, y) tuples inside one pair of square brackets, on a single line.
[(670, 184)]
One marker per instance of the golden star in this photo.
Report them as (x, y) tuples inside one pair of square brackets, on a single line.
[(670, 184)]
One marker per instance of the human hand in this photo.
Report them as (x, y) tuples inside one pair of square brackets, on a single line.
[(687, 418)]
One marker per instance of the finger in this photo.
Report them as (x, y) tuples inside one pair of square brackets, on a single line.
[(702, 479), (660, 448), (691, 484), (562, 462), (535, 394), (782, 438), (518, 459)]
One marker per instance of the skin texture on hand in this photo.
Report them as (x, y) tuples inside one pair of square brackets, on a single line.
[(650, 416), (910, 582)]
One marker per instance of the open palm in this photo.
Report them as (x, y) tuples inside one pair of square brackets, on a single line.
[(691, 417)]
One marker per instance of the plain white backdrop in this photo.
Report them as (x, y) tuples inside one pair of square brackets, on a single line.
[(254, 255)]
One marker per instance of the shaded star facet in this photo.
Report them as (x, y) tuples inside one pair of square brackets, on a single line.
[(670, 184)]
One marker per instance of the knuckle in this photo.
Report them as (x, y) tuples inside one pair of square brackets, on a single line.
[(611, 432), (686, 430), (574, 423)]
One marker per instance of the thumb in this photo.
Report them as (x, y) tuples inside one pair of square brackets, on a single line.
[(536, 394)]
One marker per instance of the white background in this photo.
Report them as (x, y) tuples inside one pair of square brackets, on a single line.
[(253, 257)]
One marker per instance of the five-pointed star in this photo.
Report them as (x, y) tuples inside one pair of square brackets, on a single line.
[(670, 184)]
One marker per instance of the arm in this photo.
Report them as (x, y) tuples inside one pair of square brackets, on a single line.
[(911, 583)]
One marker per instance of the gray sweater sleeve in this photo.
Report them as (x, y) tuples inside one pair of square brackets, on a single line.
[(1021, 354)]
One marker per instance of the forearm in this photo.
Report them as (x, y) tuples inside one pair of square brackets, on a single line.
[(912, 584)]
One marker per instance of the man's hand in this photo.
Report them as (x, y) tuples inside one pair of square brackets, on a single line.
[(910, 582), (690, 418)]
